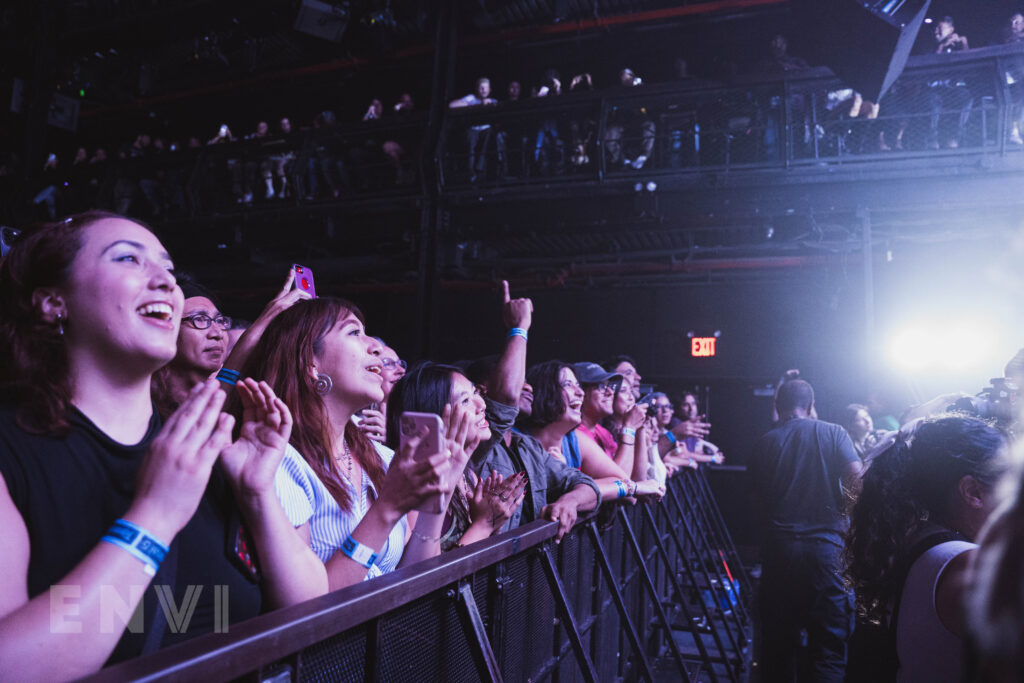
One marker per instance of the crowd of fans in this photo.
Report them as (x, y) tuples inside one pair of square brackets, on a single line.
[(158, 176), (147, 440), (143, 445)]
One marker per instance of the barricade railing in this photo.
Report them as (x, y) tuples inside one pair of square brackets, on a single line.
[(633, 592)]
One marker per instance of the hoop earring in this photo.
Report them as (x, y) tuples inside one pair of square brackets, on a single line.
[(323, 384), (60, 325)]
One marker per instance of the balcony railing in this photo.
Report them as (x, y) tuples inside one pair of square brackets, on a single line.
[(943, 106)]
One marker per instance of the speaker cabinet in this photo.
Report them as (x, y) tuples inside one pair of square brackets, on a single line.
[(866, 44)]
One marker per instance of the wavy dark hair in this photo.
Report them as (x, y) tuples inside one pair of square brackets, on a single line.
[(282, 358), (907, 486), (548, 404), (34, 366), (426, 388)]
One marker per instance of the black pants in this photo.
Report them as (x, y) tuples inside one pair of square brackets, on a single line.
[(802, 589)]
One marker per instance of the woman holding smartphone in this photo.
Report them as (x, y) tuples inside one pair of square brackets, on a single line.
[(99, 499), (348, 499), (478, 507)]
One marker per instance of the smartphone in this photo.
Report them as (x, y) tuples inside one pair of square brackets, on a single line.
[(430, 429), (304, 279)]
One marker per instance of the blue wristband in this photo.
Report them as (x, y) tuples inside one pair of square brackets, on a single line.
[(139, 542), (357, 552), (229, 376), (518, 332), (621, 487), (671, 438), (628, 431)]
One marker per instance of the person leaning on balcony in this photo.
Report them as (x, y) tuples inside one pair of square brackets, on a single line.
[(478, 136)]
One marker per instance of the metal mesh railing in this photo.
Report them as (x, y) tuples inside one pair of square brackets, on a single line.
[(632, 591)]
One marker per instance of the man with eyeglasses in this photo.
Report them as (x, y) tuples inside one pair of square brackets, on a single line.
[(202, 347), (373, 420), (599, 388)]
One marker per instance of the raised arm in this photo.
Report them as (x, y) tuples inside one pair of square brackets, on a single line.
[(285, 299), (510, 372)]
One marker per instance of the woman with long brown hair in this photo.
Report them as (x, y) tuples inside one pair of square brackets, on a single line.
[(99, 499), (348, 499)]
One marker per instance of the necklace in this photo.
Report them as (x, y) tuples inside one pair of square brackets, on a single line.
[(348, 460)]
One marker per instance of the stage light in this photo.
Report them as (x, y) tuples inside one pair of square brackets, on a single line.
[(944, 347)]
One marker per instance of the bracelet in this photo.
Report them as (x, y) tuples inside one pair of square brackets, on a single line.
[(622, 489), (229, 376), (357, 552), (629, 431), (633, 490), (139, 542), (519, 332), (627, 443), (426, 539), (671, 437)]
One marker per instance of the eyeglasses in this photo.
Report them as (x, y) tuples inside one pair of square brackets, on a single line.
[(602, 386), (666, 407), (391, 363), (201, 321)]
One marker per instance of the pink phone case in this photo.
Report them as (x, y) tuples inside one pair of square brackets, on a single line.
[(304, 279), (432, 441)]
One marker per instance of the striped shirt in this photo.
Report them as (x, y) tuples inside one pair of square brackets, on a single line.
[(306, 499)]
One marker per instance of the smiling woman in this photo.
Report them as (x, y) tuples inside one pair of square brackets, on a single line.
[(347, 496), (557, 412), (99, 498), (479, 507)]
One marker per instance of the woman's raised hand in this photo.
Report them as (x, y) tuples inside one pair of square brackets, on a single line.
[(460, 438), (494, 499), (686, 428), (373, 425), (409, 482), (176, 469), (636, 416), (251, 461), (287, 297)]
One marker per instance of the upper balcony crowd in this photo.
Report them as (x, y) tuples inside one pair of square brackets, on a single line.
[(780, 113)]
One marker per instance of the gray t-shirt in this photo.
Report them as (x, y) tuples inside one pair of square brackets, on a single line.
[(798, 468)]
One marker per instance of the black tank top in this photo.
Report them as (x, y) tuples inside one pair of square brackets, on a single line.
[(69, 490)]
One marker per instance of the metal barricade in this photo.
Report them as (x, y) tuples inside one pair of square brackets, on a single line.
[(634, 592)]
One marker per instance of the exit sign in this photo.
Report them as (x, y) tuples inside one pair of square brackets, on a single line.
[(702, 347)]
